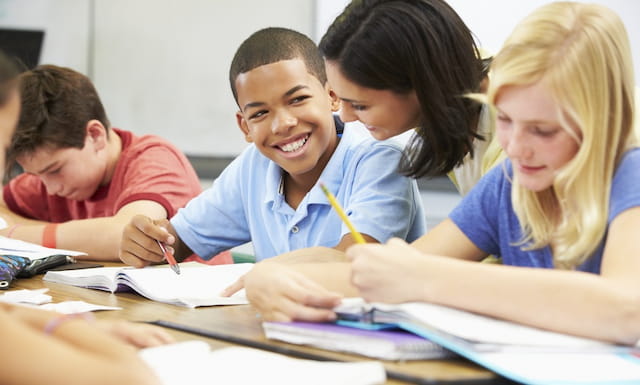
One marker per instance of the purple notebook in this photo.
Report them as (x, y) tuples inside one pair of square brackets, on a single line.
[(386, 344)]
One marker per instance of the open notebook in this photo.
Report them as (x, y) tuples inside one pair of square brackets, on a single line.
[(193, 363), (196, 285), (521, 353)]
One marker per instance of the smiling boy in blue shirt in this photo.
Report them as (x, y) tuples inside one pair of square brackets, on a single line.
[(269, 194)]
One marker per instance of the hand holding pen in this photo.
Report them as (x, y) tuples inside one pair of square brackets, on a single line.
[(146, 241), (170, 258)]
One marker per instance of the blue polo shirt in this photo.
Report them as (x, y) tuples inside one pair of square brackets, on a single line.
[(487, 218), (246, 203)]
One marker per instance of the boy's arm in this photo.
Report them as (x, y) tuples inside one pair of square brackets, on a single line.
[(100, 238), (12, 218)]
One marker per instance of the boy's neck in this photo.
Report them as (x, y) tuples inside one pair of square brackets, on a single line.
[(296, 187), (114, 149), (295, 190)]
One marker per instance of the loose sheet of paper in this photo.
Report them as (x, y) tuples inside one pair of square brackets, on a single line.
[(192, 363), (10, 246)]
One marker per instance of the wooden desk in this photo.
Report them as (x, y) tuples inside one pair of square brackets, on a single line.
[(243, 321)]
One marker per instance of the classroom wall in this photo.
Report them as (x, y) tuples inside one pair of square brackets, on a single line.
[(161, 65), (491, 30)]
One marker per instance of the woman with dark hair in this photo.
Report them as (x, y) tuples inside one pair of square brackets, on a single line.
[(408, 64)]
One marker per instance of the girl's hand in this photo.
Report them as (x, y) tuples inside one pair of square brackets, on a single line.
[(387, 273)]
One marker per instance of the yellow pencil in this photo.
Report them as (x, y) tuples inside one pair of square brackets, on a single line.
[(336, 206)]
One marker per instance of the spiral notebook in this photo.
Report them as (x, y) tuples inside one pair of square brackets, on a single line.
[(384, 342)]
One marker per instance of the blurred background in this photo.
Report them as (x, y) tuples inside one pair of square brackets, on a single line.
[(161, 66)]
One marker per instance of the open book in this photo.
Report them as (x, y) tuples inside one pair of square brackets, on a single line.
[(196, 285), (521, 353), (384, 342), (193, 363)]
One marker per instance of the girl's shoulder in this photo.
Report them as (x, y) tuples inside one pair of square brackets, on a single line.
[(629, 163)]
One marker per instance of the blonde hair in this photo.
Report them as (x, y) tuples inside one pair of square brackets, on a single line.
[(581, 53)]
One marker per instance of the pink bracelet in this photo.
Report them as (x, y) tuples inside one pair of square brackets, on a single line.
[(54, 323), (12, 229), (49, 235)]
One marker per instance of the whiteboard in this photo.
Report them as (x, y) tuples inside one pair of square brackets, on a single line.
[(162, 66)]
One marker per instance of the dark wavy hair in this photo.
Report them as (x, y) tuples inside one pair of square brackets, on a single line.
[(57, 103), (421, 46), (270, 45)]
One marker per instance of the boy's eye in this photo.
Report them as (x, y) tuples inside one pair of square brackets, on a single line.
[(358, 107), (299, 99), (56, 171), (257, 114)]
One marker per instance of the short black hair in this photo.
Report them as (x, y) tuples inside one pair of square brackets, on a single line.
[(274, 44), (421, 46)]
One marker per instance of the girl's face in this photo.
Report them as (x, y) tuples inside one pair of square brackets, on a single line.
[(529, 131), (384, 113)]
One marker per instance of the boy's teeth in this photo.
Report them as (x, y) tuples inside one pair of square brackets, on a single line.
[(293, 146)]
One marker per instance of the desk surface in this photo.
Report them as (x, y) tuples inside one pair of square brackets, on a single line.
[(242, 321)]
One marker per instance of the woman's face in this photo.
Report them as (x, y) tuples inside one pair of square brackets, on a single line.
[(384, 113)]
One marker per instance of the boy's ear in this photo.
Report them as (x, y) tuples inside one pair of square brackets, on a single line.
[(244, 127), (96, 134), (335, 101)]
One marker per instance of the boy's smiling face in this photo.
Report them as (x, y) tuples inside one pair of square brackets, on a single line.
[(287, 113)]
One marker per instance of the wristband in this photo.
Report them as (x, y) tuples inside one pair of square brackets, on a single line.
[(49, 235), (12, 229), (54, 323)]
